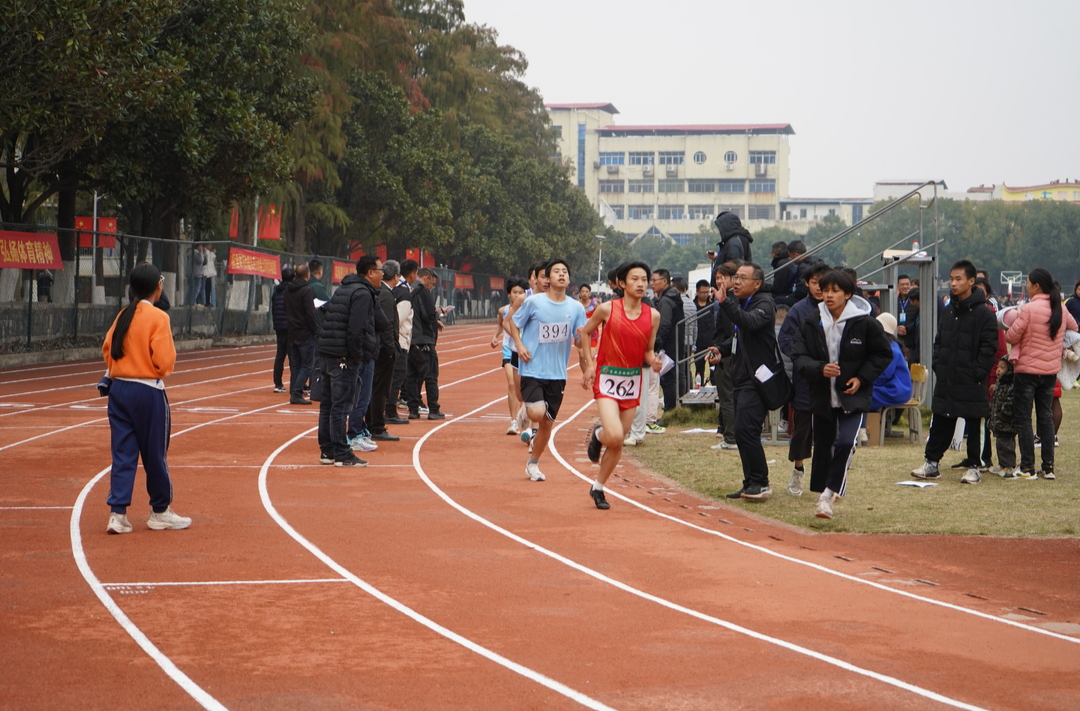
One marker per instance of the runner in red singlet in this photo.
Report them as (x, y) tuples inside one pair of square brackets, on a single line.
[(628, 341)]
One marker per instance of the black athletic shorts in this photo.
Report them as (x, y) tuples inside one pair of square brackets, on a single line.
[(514, 359), (549, 392)]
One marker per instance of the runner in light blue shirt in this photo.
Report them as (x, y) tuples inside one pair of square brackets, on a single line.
[(543, 328)]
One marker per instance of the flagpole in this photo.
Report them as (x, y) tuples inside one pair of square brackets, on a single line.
[(256, 223)]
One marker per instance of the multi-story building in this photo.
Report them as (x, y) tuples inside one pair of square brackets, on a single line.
[(671, 180), (1057, 190)]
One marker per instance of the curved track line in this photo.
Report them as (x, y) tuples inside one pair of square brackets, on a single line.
[(182, 680), (781, 556), (805, 651), (513, 666)]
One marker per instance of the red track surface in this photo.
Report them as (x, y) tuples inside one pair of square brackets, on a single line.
[(440, 577)]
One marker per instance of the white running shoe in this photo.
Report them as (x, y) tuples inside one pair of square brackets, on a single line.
[(167, 519), (630, 442), (513, 428), (118, 523), (533, 470), (971, 476), (362, 444), (724, 445), (824, 506), (794, 486), (863, 439)]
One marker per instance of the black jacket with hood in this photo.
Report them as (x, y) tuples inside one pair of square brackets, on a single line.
[(862, 351), (277, 306), (300, 311), (671, 333), (734, 241)]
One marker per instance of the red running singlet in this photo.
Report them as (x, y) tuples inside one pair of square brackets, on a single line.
[(621, 355)]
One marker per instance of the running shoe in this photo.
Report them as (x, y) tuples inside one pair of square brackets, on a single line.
[(824, 506), (167, 519), (594, 445), (794, 486), (757, 492), (599, 499), (724, 445), (1048, 473), (532, 469), (118, 523), (631, 442), (280, 389), (655, 429), (325, 458), (361, 443), (350, 460), (971, 476), (929, 470), (513, 428), (1027, 474)]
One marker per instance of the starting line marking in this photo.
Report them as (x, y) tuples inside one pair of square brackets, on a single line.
[(121, 586)]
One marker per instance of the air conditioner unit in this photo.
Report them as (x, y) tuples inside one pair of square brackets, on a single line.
[(761, 169), (710, 217), (672, 169), (596, 164), (647, 170), (613, 170), (731, 166), (652, 215)]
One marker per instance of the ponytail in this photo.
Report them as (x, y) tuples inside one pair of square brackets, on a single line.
[(1049, 287), (144, 280)]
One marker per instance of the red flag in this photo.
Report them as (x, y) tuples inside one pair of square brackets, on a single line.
[(86, 239), (106, 232), (269, 222), (380, 252), (413, 254), (428, 260), (234, 223)]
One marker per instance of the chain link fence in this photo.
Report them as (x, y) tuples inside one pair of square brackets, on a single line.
[(75, 306)]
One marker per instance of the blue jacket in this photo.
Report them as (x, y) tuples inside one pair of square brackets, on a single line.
[(800, 312), (893, 387)]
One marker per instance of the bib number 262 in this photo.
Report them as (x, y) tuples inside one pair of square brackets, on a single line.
[(620, 383)]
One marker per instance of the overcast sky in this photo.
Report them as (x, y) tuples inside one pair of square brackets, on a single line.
[(967, 92)]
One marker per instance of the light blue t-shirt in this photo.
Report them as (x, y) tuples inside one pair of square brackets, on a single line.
[(548, 330)]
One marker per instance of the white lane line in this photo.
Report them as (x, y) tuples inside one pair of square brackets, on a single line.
[(182, 680), (35, 508), (113, 586), (524, 671), (761, 549), (798, 649), (88, 385)]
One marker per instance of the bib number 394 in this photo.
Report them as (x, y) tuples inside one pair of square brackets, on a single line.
[(554, 332), (620, 383)]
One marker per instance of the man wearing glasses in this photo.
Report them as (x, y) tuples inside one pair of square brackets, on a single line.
[(752, 314)]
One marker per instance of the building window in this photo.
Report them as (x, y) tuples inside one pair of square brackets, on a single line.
[(682, 238), (762, 212), (702, 212), (612, 186), (802, 213), (738, 210), (581, 155), (642, 186), (730, 157), (612, 158), (556, 132), (671, 212), (702, 186), (699, 157), (618, 210), (763, 186), (641, 212), (732, 186), (642, 158), (856, 213), (767, 157), (669, 186), (672, 157)]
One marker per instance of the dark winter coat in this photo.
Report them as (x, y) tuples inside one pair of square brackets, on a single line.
[(349, 326), (425, 317), (1001, 406), (277, 307), (865, 353), (963, 357), (753, 321), (803, 311), (300, 311), (670, 333), (734, 244), (722, 327), (706, 326), (389, 308)]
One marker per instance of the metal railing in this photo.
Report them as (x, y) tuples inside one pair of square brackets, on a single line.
[(80, 304), (928, 325)]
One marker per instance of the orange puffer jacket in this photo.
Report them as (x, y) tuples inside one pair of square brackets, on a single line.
[(1030, 336)]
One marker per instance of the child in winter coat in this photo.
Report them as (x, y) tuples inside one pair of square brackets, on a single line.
[(1001, 420)]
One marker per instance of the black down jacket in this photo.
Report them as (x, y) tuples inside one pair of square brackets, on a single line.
[(964, 353), (349, 327)]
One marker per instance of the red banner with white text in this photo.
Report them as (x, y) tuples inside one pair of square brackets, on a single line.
[(24, 250), (245, 261)]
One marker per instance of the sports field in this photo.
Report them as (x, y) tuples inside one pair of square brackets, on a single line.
[(440, 577)]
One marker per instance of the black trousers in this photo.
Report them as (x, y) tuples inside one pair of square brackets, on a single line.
[(397, 389), (279, 357), (941, 433), (419, 365), (750, 413), (431, 382), (380, 389), (834, 446)]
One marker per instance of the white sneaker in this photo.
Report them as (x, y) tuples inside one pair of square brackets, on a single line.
[(998, 471), (1021, 474), (929, 470), (794, 486), (362, 444), (513, 428), (118, 523), (863, 439), (824, 506), (167, 519), (533, 470), (724, 445), (630, 442), (971, 476)]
